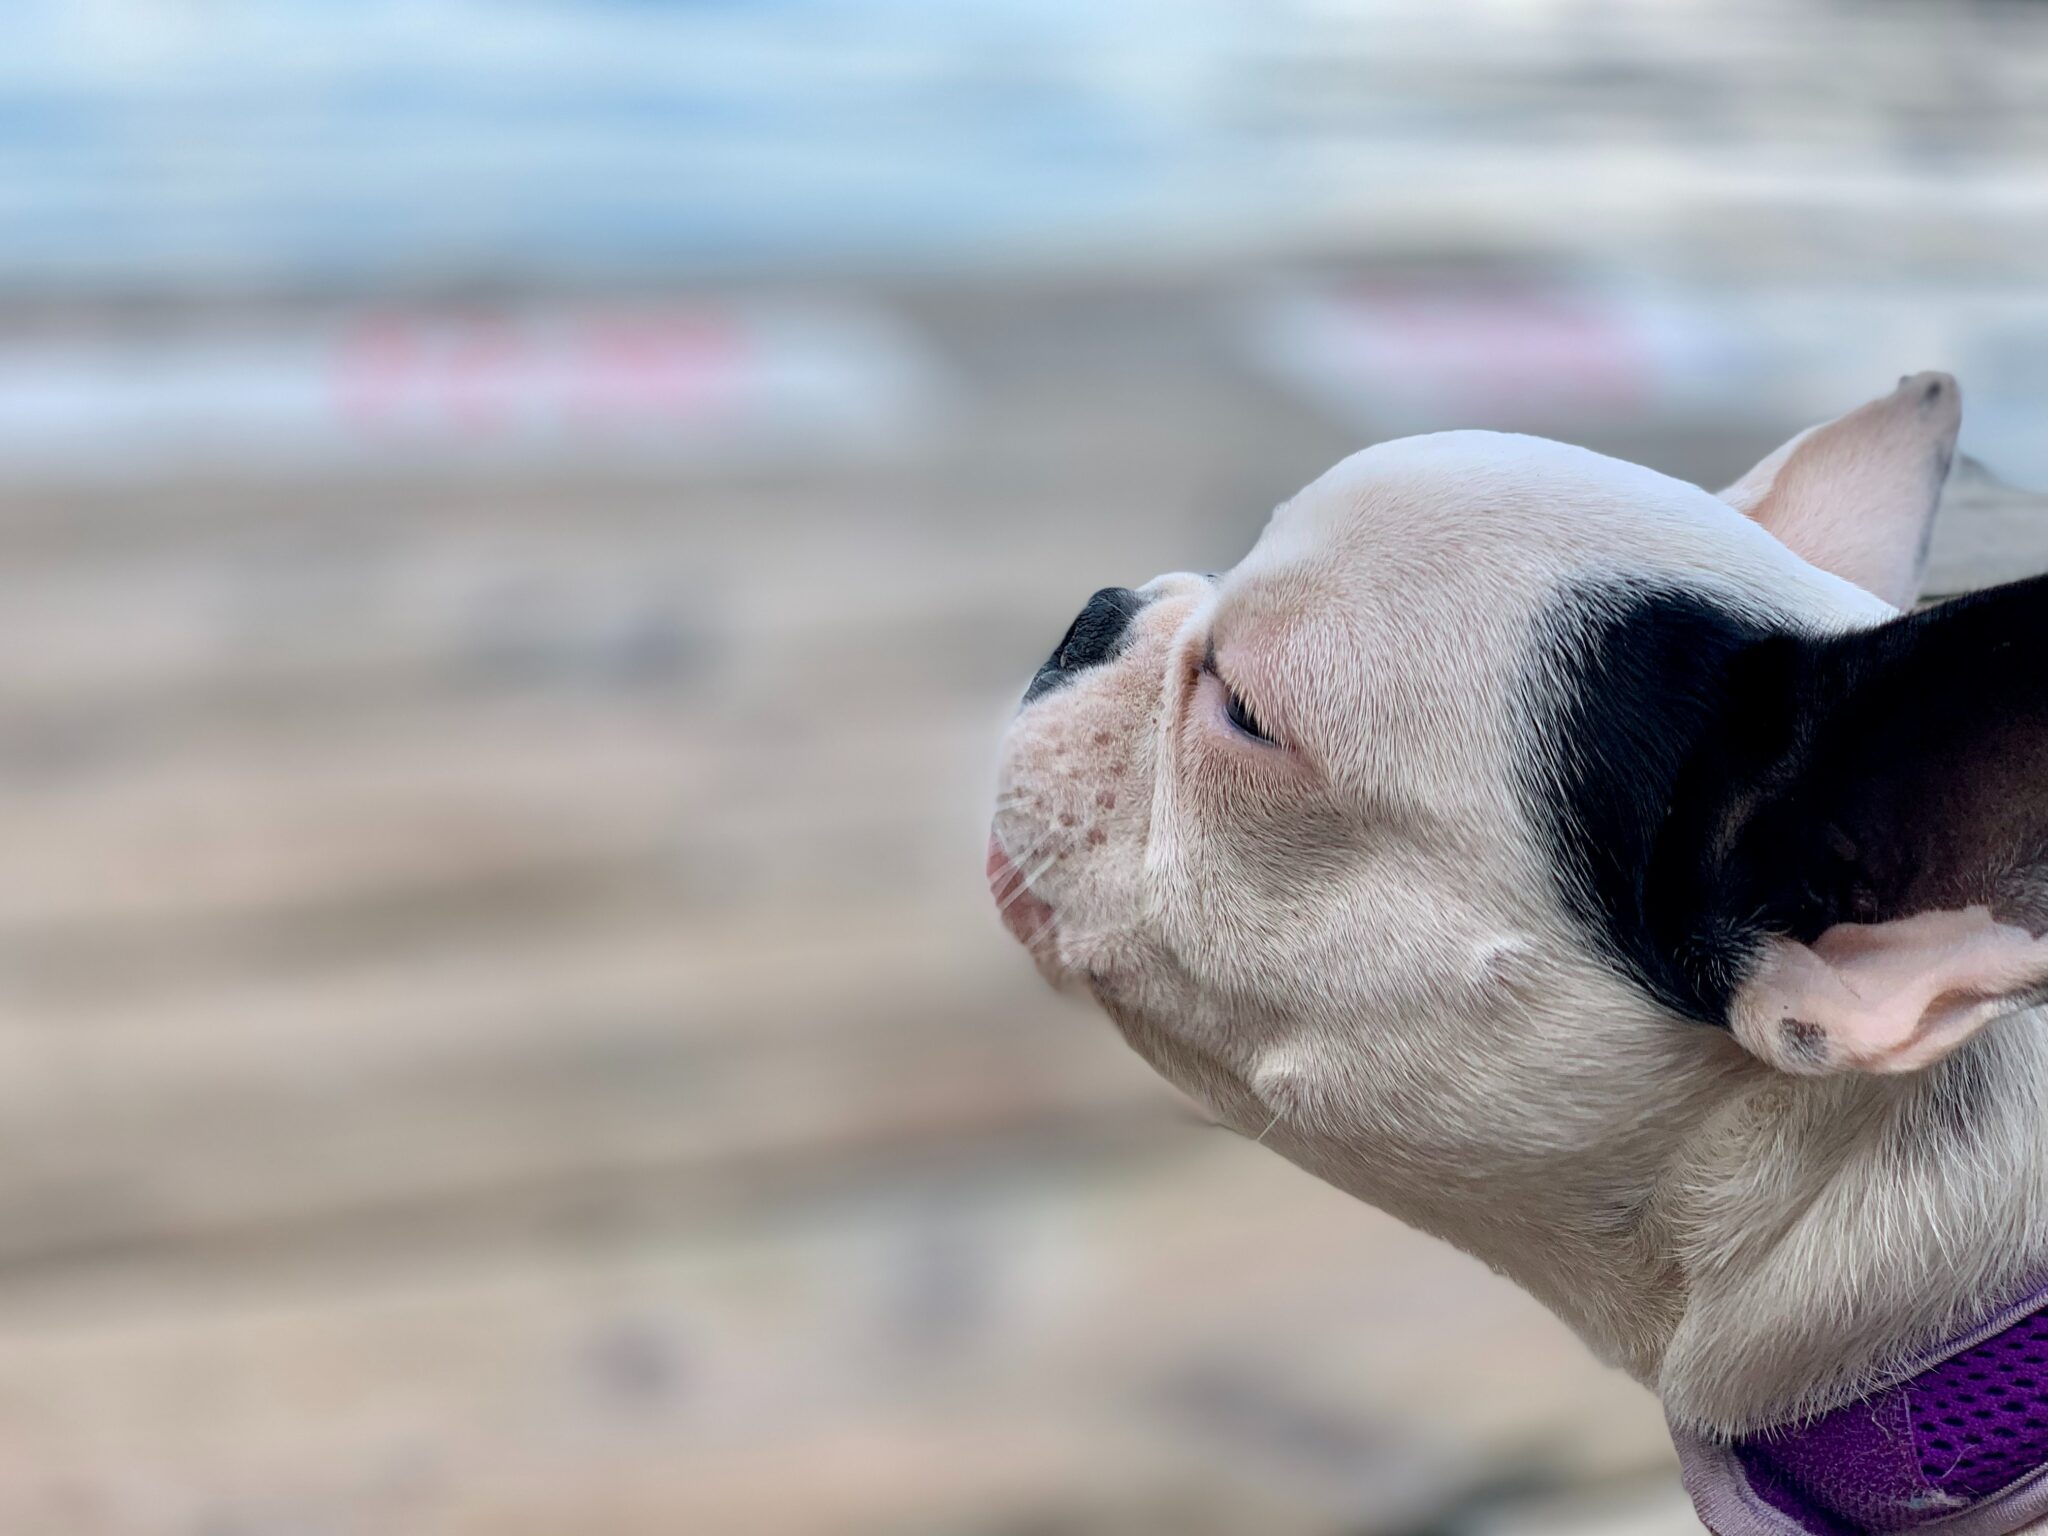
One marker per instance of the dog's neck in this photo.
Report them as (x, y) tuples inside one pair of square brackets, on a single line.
[(1793, 1239), (1751, 1246), (1828, 1229)]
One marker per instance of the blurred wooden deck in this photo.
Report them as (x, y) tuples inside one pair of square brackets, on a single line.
[(502, 1031)]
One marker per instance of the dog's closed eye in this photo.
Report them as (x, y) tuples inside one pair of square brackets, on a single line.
[(1235, 710), (1240, 715)]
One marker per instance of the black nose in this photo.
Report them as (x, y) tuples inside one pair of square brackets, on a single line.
[(1092, 638)]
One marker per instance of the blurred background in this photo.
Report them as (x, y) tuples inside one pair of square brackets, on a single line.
[(520, 525)]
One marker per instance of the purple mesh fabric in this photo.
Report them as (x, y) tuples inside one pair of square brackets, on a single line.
[(1935, 1445), (1980, 1419), (1777, 1490)]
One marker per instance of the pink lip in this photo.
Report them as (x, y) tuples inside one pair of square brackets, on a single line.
[(1027, 917)]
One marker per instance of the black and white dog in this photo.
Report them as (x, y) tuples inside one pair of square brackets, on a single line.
[(1605, 876)]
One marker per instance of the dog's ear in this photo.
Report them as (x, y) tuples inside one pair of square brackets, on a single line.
[(1864, 830), (1856, 496), (1894, 996)]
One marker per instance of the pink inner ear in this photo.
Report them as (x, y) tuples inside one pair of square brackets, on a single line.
[(1854, 496), (1886, 997)]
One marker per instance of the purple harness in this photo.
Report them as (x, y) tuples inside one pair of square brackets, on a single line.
[(1960, 1448)]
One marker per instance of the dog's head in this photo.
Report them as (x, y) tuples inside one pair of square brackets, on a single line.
[(1499, 768)]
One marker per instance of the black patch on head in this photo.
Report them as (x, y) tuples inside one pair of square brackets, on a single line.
[(1707, 780), (1921, 779), (1645, 680)]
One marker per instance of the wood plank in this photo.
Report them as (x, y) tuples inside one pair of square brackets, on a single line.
[(509, 1082), (329, 813), (962, 1356)]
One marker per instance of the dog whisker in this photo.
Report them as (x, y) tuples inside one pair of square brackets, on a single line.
[(1044, 927), (1028, 854), (1022, 888), (1044, 867)]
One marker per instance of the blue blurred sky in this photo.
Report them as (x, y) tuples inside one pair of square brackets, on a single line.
[(313, 141), (219, 143)]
